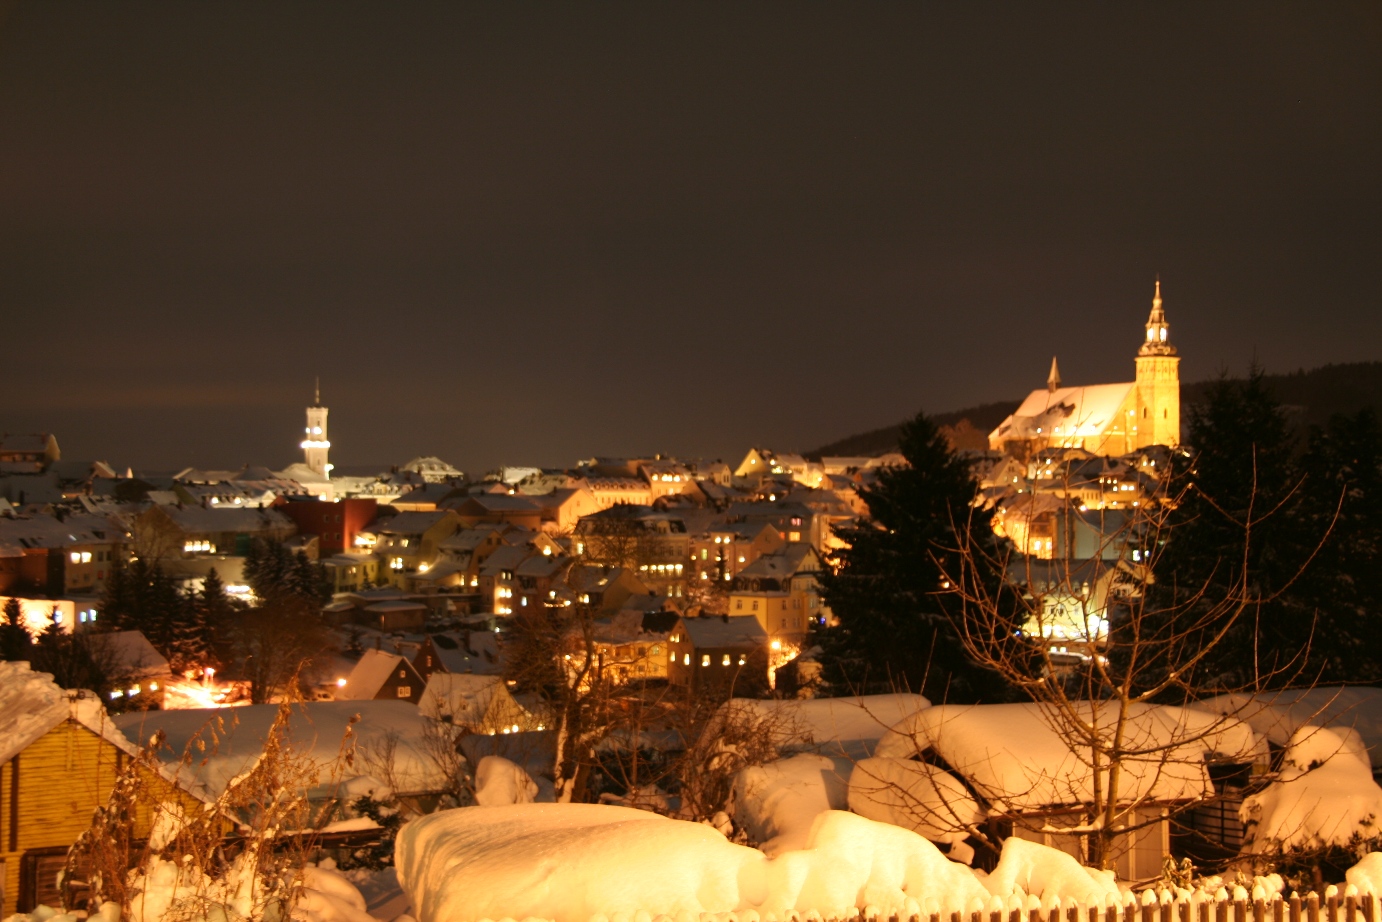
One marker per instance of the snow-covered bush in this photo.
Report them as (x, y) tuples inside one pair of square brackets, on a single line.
[(1323, 810)]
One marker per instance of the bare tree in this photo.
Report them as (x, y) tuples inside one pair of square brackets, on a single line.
[(1097, 653)]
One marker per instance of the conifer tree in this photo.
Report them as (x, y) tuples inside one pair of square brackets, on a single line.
[(15, 640), (284, 630), (1343, 497), (1236, 533), (215, 614), (890, 592)]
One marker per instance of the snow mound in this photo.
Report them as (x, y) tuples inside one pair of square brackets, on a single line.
[(915, 796), (565, 862), (1366, 875), (1048, 873), (1323, 796), (570, 862), (500, 783), (165, 889), (854, 863), (777, 803)]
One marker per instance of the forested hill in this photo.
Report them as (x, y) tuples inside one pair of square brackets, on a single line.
[(1311, 397)]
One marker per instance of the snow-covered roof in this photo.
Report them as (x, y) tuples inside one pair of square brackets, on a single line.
[(197, 520), (835, 726), (1067, 411), (1278, 715), (31, 704), (370, 674), (1021, 759), (411, 523), (316, 731), (470, 699), (130, 655), (715, 633)]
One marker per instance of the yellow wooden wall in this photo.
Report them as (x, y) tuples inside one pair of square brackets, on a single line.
[(63, 777)]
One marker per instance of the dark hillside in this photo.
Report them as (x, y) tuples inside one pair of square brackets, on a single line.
[(1311, 397)]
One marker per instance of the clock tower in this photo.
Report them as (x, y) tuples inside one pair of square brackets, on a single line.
[(1158, 382)]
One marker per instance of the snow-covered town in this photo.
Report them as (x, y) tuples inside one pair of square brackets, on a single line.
[(909, 684), (752, 462)]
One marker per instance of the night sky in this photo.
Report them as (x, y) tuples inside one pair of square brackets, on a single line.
[(526, 234)]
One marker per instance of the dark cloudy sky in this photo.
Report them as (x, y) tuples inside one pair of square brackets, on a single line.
[(521, 233)]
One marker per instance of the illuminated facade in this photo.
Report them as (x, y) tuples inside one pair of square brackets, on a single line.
[(1103, 419), (316, 444)]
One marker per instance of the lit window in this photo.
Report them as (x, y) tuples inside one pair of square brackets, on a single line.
[(725, 660), (404, 691), (76, 558), (686, 660), (705, 659)]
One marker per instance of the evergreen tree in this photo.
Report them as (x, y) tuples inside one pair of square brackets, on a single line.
[(1343, 497), (215, 612), (1235, 533), (890, 592), (117, 603), (15, 640), (284, 630)]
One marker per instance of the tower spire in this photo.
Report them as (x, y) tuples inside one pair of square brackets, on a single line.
[(1158, 341), (317, 391), (1053, 379)]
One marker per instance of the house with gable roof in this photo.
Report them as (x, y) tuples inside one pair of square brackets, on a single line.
[(480, 703), (60, 755), (409, 542), (717, 651), (381, 676)]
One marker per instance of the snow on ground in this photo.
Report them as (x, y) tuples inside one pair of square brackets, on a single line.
[(776, 803), (1043, 872), (569, 862), (317, 730), (1323, 795), (1366, 875)]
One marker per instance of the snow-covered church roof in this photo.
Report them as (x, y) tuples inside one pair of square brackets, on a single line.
[(1076, 412)]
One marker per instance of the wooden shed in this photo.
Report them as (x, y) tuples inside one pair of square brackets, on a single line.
[(59, 758)]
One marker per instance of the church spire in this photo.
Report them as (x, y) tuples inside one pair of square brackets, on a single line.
[(317, 391), (1053, 379), (1158, 341)]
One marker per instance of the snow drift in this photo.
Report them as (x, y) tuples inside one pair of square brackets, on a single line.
[(569, 862)]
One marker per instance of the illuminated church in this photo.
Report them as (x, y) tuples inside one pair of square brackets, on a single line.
[(1103, 419)]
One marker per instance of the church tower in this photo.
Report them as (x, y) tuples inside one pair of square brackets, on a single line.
[(1158, 382), (316, 445)]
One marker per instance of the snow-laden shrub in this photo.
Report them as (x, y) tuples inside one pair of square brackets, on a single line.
[(1323, 810)]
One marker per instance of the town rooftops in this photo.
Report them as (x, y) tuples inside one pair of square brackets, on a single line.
[(196, 520), (410, 523)]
